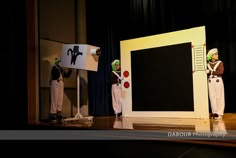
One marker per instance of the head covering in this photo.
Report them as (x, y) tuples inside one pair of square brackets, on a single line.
[(211, 53), (57, 61), (114, 63)]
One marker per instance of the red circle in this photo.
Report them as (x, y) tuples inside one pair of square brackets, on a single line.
[(126, 73), (126, 84)]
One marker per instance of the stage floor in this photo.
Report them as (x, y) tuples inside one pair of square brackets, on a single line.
[(203, 131)]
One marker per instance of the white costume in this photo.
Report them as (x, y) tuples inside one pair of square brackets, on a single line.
[(216, 85), (57, 90), (116, 88)]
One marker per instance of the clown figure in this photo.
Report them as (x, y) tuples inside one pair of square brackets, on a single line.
[(215, 83), (116, 87)]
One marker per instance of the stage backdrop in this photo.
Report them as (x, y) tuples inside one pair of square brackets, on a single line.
[(165, 75)]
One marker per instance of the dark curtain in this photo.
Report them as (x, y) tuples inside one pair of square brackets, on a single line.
[(101, 32), (109, 22), (14, 65)]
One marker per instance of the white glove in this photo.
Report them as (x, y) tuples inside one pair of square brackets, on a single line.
[(207, 71), (121, 78)]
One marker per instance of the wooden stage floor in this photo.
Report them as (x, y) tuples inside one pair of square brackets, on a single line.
[(200, 131)]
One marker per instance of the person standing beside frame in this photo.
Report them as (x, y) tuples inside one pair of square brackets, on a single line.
[(215, 83), (116, 87)]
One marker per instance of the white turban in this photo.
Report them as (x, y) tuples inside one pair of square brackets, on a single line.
[(211, 53)]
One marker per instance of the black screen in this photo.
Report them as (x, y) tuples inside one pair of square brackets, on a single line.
[(162, 78)]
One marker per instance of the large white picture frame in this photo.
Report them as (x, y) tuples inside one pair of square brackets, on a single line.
[(200, 90)]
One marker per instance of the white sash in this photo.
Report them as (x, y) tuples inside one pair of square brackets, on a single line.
[(116, 74), (214, 69)]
